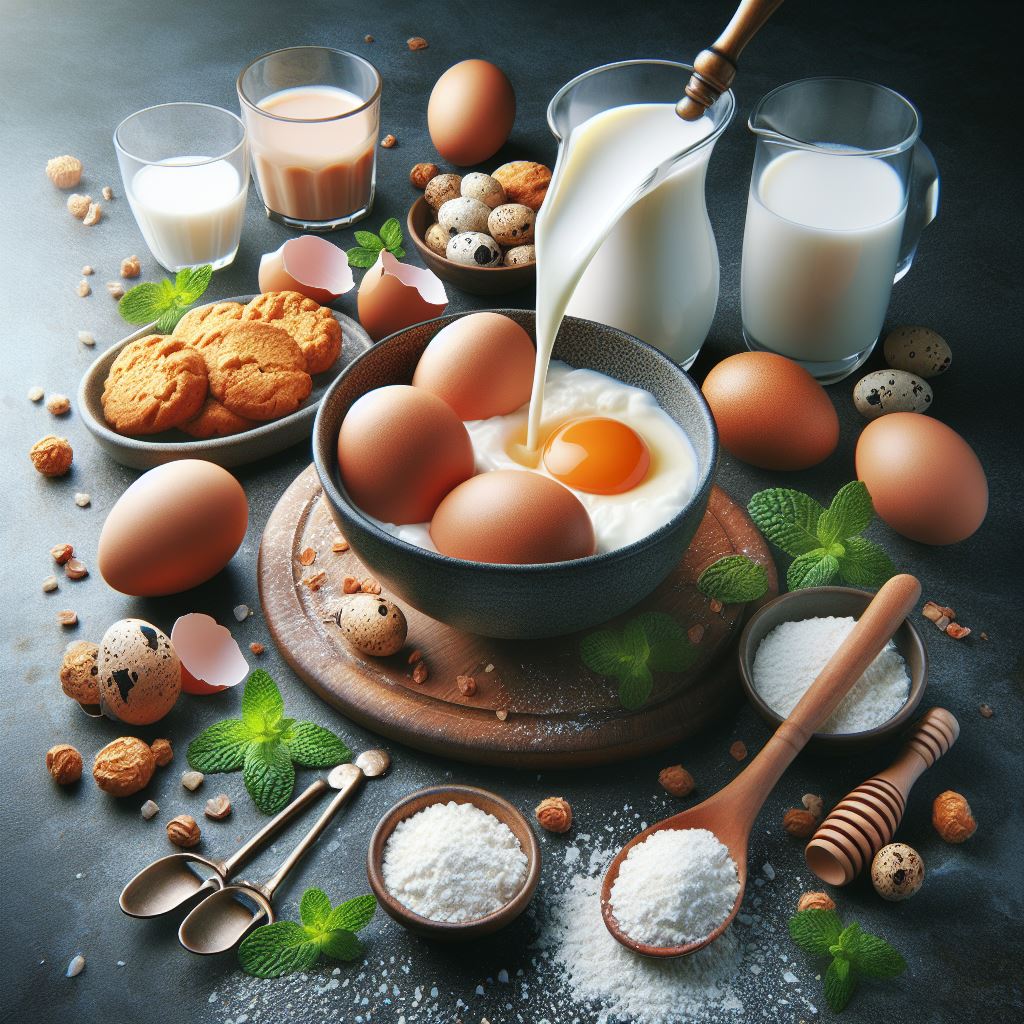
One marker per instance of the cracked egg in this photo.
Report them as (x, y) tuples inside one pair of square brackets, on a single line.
[(210, 657), (309, 265), (393, 296)]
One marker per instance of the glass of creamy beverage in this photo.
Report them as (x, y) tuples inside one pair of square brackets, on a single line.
[(185, 168), (841, 189), (313, 115)]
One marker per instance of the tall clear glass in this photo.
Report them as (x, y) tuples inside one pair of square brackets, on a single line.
[(313, 115), (841, 190), (185, 168), (656, 274)]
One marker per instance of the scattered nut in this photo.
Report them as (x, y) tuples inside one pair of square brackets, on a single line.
[(716, 606), (162, 751), (369, 586), (124, 766), (815, 901), (897, 872), (241, 612), (78, 205), (421, 174), (35, 394), (192, 780), (116, 289), (60, 553), (108, 193), (66, 171), (799, 822), (952, 817), (217, 807), (956, 631), (676, 780), (307, 556), (695, 634), (82, 500), (367, 39), (87, 339), (501, 714), (417, 43), (738, 750), (350, 585), (339, 545), (183, 831), (58, 404), (554, 814), (316, 581), (49, 584), (87, 270), (64, 763), (79, 672), (415, 655), (67, 617), (466, 685), (388, 142), (256, 648), (149, 810), (985, 710), (94, 215), (84, 289), (75, 569), (420, 673), (814, 804), (75, 967)]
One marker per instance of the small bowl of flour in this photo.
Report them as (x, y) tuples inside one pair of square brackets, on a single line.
[(787, 643), (453, 862)]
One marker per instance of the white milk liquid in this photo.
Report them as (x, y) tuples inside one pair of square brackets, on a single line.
[(189, 215), (601, 168), (819, 253)]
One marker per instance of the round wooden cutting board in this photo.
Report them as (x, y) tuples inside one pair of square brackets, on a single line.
[(536, 704)]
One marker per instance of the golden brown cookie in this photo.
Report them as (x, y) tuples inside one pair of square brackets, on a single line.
[(197, 322), (156, 383), (256, 370), (313, 326), (216, 420)]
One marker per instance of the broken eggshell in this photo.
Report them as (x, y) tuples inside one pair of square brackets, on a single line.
[(309, 265), (210, 657), (393, 296)]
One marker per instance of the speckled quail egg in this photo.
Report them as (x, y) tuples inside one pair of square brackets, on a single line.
[(520, 255), (918, 350), (79, 672), (885, 391), (488, 190), (460, 215), (474, 249), (441, 188), (511, 224), (897, 872), (372, 624), (436, 239), (139, 672)]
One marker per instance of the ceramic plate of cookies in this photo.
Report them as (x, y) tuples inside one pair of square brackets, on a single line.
[(237, 380)]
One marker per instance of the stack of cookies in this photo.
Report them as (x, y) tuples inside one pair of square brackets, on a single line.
[(225, 369)]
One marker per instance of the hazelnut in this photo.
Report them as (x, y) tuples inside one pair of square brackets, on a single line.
[(64, 763), (192, 780), (183, 831), (75, 569), (67, 617), (83, 289), (421, 174), (60, 553), (78, 205), (51, 455), (116, 289), (814, 804), (676, 780), (952, 817), (420, 673), (93, 215), (64, 171), (58, 404), (370, 586), (466, 685), (130, 267), (388, 142), (417, 43), (79, 672), (218, 807), (815, 901), (124, 766), (738, 751), (524, 182), (554, 814), (162, 751), (257, 648), (799, 822), (897, 872)]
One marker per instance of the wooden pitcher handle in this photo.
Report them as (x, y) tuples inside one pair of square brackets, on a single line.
[(715, 68)]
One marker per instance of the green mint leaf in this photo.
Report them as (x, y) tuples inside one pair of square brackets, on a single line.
[(314, 909), (169, 319), (789, 519), (276, 949), (670, 648), (269, 776), (368, 240), (391, 235), (359, 256), (602, 652), (814, 569), (734, 579), (341, 945), (875, 958), (849, 940), (353, 914), (398, 252), (815, 931), (221, 748), (143, 303), (313, 746), (191, 283), (840, 982), (635, 648), (262, 705), (849, 514), (864, 564), (635, 687)]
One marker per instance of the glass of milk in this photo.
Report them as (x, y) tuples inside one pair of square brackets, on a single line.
[(185, 168), (841, 189), (313, 115)]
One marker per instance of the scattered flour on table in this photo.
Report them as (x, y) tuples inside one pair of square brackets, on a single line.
[(792, 655)]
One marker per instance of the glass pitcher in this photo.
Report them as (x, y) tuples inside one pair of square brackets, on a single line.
[(656, 274)]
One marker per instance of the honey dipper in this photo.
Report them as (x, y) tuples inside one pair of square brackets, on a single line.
[(866, 819)]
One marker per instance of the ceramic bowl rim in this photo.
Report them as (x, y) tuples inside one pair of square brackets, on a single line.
[(337, 495)]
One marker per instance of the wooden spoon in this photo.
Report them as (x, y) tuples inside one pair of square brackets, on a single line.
[(730, 813)]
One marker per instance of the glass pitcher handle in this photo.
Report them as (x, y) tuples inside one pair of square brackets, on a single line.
[(922, 204)]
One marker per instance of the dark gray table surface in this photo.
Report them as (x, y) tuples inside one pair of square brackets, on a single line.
[(68, 74)]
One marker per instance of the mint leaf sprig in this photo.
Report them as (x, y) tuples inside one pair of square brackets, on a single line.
[(265, 745), (855, 953), (165, 301), (825, 542), (734, 579), (287, 946), (370, 245)]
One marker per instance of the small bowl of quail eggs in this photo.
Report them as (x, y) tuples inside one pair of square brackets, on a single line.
[(472, 234)]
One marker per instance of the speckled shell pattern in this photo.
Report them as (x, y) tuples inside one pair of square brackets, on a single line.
[(522, 601), (139, 672)]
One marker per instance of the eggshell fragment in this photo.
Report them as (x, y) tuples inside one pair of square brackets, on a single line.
[(372, 624), (309, 265), (139, 672), (210, 658), (393, 296)]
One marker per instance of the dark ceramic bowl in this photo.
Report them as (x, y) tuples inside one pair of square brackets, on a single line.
[(814, 602), (520, 601)]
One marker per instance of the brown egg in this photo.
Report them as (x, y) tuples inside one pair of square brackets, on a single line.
[(309, 265), (139, 672), (471, 111), (924, 478), (400, 451), (393, 296), (174, 528), (513, 517), (771, 412), (481, 365)]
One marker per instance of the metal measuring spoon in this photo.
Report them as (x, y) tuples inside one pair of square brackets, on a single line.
[(223, 918)]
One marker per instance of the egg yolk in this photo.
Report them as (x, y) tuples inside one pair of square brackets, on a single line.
[(597, 455)]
